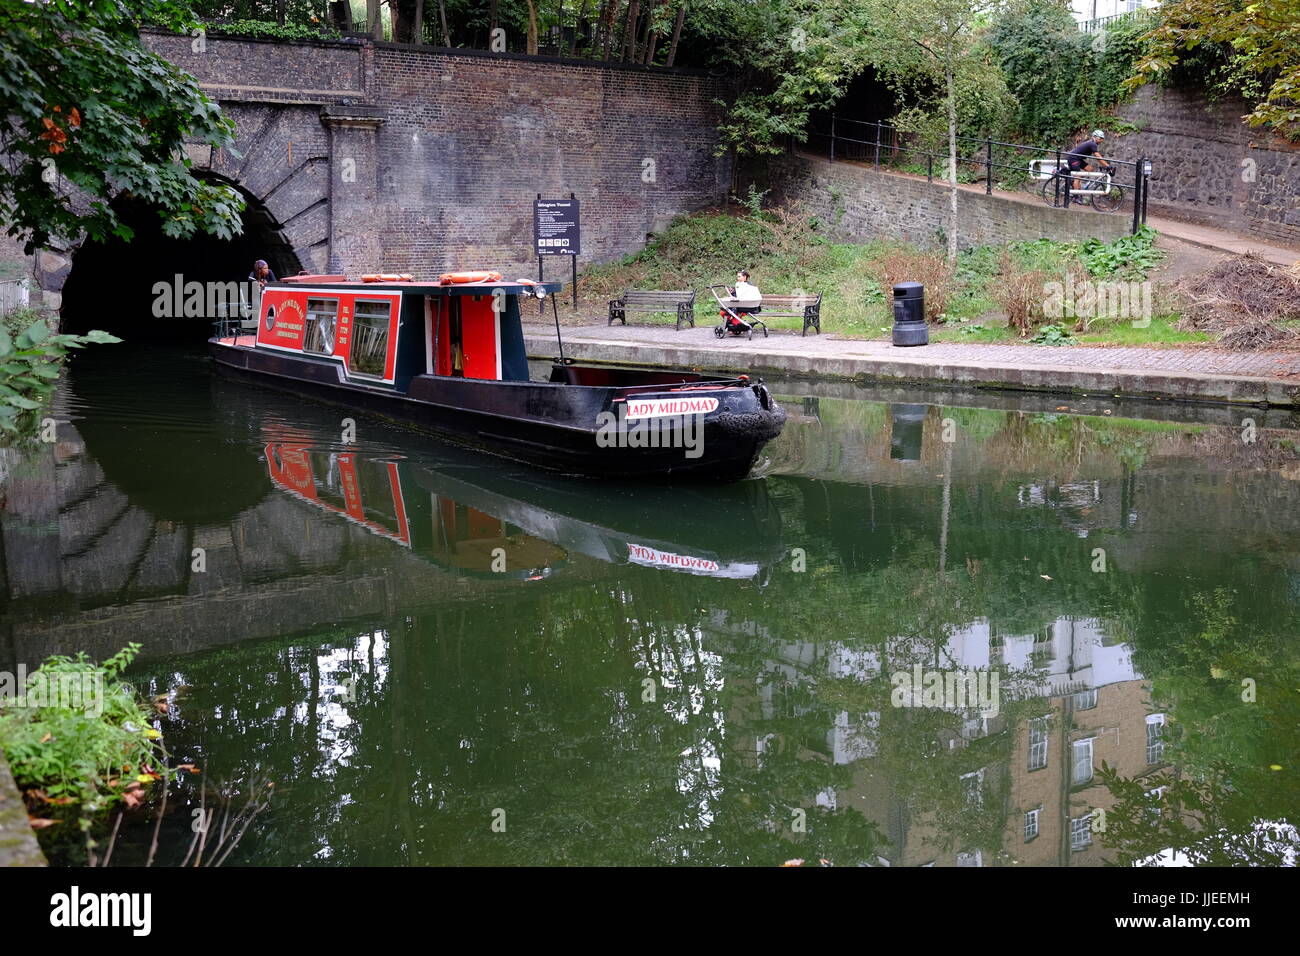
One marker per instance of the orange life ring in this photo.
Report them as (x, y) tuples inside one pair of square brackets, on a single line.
[(448, 278), (387, 277)]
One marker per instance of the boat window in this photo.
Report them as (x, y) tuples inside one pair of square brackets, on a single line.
[(370, 337), (321, 317)]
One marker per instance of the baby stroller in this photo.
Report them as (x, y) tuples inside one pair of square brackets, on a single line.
[(735, 319)]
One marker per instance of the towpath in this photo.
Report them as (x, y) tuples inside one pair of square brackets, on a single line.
[(1195, 373)]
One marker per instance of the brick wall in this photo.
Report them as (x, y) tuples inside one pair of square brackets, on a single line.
[(442, 170), (858, 202), (242, 69), (470, 140), (1210, 167)]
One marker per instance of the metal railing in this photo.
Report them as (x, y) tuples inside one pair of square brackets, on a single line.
[(880, 143), (1097, 24)]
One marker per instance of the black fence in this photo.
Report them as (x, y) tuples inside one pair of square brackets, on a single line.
[(1099, 24), (1010, 167)]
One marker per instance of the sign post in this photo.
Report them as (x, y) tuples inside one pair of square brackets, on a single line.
[(557, 232)]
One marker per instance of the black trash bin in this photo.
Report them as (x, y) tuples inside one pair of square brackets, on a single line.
[(906, 435), (909, 315)]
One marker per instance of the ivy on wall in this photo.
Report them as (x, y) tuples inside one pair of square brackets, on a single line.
[(1064, 80)]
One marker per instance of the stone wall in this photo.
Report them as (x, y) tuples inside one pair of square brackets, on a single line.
[(389, 157), (1210, 167), (18, 845), (858, 202)]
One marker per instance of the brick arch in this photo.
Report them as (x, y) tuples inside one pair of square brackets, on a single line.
[(282, 175), (280, 161)]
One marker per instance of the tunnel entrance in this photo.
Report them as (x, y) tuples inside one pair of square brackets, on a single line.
[(112, 284)]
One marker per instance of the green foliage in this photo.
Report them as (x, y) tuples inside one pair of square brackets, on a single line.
[(1230, 686), (1052, 335), (29, 366), (1064, 80), (788, 58), (984, 107), (1249, 47), (270, 30), (88, 754), (1128, 257), (295, 11), (84, 105), (753, 200)]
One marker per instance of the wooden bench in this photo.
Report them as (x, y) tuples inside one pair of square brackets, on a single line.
[(681, 302), (807, 307)]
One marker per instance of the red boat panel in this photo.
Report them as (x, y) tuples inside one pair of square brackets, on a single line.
[(290, 467), (283, 324)]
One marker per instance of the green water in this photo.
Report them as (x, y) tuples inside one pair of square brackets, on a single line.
[(438, 658)]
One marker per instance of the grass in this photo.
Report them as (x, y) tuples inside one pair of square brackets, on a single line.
[(788, 251), (1161, 332)]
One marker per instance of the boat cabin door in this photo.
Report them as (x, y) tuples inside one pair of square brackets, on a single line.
[(465, 336)]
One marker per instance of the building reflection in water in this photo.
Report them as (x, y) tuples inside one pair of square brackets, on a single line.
[(1073, 701)]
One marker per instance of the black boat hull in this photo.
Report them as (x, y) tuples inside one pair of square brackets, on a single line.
[(553, 425)]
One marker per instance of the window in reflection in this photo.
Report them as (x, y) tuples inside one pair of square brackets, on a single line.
[(1031, 823), (1155, 738), (1038, 743), (1081, 832), (1081, 761)]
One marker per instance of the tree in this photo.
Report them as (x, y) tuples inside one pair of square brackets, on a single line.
[(88, 115), (1263, 37), (677, 33), (795, 57), (1064, 80), (629, 30), (933, 46), (532, 27)]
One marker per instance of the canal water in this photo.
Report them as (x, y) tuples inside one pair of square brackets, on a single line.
[(927, 634)]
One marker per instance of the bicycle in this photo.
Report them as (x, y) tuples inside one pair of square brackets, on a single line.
[(1094, 186)]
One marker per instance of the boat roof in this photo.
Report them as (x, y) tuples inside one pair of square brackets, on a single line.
[(421, 286)]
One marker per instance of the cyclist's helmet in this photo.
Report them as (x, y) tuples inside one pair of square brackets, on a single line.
[(1098, 134)]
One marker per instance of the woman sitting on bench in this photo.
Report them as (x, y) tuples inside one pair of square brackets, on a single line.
[(748, 299)]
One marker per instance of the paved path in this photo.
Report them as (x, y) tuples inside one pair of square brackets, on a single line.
[(1190, 373), (1222, 240)]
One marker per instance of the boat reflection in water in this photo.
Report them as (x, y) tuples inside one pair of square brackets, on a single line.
[(523, 525)]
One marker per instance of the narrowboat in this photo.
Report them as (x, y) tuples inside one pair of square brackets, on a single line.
[(448, 356)]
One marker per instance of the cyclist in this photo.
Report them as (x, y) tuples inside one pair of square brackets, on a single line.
[(1082, 156)]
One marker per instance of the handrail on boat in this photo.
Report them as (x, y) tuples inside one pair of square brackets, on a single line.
[(694, 386)]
